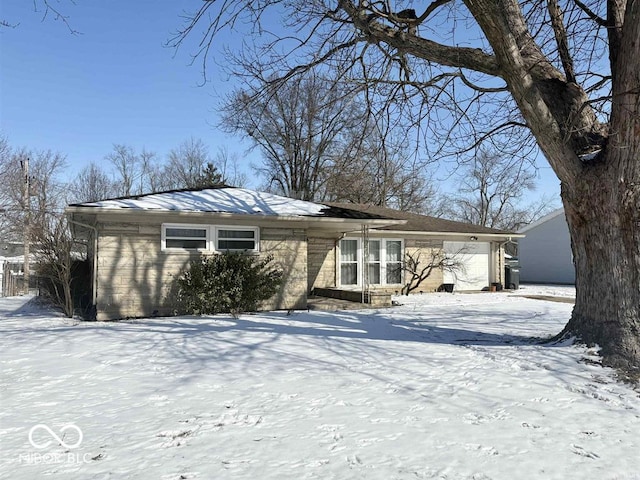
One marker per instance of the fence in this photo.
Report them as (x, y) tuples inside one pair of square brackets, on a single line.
[(13, 279)]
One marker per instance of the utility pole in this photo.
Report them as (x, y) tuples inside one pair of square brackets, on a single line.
[(27, 220)]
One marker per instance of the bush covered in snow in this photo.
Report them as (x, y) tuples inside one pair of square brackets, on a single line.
[(227, 283)]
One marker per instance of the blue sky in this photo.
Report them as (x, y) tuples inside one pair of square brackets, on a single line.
[(114, 82)]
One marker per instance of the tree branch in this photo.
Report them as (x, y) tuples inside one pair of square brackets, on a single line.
[(560, 33), (57, 15), (430, 9), (458, 57), (477, 88), (593, 16)]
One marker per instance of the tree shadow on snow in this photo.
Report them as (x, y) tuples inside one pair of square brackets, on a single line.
[(330, 326), (184, 347), (501, 329)]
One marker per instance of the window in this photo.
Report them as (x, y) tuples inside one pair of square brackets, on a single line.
[(236, 239), (184, 237), (394, 261), (349, 262), (383, 262), (373, 262), (210, 238)]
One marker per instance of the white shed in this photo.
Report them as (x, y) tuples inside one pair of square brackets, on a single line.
[(545, 253)]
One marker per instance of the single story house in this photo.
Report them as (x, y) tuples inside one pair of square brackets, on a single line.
[(139, 245), (545, 253)]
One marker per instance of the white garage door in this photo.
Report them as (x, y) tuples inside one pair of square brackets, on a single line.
[(474, 256)]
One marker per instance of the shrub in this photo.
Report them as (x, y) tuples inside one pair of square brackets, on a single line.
[(227, 283)]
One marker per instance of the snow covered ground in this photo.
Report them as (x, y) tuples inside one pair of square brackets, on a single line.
[(447, 386), (547, 290)]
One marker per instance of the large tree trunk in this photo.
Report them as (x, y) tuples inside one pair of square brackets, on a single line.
[(603, 210), (603, 214), (601, 195)]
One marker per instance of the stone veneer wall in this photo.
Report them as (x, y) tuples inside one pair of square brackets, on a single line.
[(137, 279), (425, 248), (289, 249), (322, 262)]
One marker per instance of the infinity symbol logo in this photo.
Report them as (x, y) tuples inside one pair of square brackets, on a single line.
[(42, 426)]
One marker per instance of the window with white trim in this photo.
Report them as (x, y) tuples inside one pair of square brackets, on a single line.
[(393, 261), (212, 238), (374, 263), (234, 239), (383, 262), (185, 237), (349, 260)]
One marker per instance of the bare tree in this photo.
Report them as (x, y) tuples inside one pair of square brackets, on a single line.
[(417, 270), (27, 196), (47, 9), (5, 200), (134, 173), (5, 154), (228, 165), (491, 190), (126, 164), (33, 198), (132, 169), (54, 260), (299, 128), (186, 164), (30, 192), (92, 184), (318, 144), (47, 190), (147, 161), (382, 173), (564, 73)]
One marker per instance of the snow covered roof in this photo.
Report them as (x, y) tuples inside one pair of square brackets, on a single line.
[(228, 200), (241, 201), (220, 200)]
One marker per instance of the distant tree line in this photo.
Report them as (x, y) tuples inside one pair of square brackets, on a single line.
[(133, 172), (34, 186), (34, 194)]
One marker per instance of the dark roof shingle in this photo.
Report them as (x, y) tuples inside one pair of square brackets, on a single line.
[(417, 222)]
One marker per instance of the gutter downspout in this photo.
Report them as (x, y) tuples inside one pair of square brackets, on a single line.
[(94, 270), (501, 265)]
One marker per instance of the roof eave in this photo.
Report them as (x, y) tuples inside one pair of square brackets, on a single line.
[(540, 221), (372, 222), (452, 234)]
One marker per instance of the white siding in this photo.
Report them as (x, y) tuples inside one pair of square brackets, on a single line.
[(545, 253)]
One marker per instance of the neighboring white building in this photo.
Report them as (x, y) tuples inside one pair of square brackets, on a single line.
[(545, 253)]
